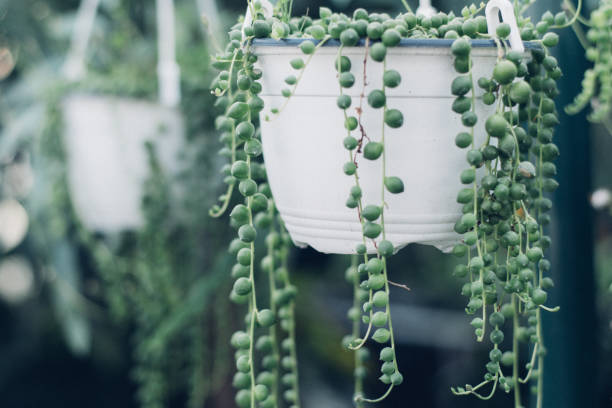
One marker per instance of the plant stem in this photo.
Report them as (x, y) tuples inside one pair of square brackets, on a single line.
[(291, 331), (475, 188), (531, 363), (299, 77), (253, 313), (574, 18), (251, 9), (384, 167), (293, 353), (515, 352), (359, 201), (382, 222), (272, 331), (388, 310), (356, 329), (407, 6), (382, 397), (253, 299), (384, 258), (540, 393), (230, 188)]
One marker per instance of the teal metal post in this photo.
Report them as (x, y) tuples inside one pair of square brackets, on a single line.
[(570, 367)]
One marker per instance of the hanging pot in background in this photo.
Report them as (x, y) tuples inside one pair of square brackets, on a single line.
[(107, 161), (105, 136)]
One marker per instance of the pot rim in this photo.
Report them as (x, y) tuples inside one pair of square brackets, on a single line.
[(405, 42)]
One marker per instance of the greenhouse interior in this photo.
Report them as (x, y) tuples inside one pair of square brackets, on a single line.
[(305, 204)]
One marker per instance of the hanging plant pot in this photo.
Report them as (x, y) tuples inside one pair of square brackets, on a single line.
[(107, 160), (396, 133), (303, 146)]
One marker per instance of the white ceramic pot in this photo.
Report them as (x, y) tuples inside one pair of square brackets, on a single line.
[(304, 153), (107, 160)]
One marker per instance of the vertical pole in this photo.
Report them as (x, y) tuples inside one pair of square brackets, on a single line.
[(570, 378)]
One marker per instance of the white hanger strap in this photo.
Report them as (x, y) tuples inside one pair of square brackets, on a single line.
[(505, 8), (266, 8), (168, 72), (425, 9), (74, 66), (210, 12)]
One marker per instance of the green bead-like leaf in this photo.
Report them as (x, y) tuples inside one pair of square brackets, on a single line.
[(394, 185)]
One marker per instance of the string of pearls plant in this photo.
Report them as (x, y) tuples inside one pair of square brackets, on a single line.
[(505, 211), (237, 88), (504, 199)]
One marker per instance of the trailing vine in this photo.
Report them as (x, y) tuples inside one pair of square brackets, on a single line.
[(504, 211), (504, 203), (139, 282), (597, 82), (372, 273), (258, 380)]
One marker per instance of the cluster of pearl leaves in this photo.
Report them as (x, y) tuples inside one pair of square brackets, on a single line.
[(521, 94)]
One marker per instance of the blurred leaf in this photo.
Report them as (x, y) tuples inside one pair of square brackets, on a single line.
[(69, 306)]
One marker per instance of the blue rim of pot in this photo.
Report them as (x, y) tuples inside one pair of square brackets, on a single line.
[(405, 42)]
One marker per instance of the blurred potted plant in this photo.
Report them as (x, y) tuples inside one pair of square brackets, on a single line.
[(105, 135), (395, 89), (172, 246)]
